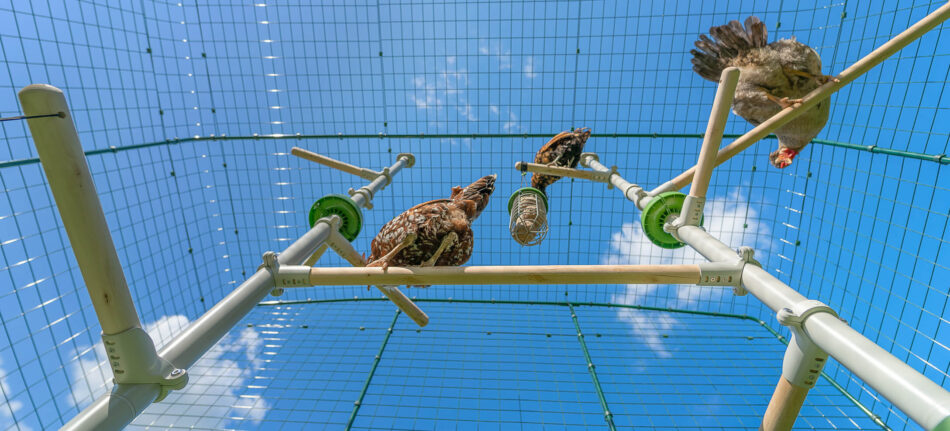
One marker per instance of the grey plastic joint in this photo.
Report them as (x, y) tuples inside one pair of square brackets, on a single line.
[(803, 359), (134, 359), (410, 159)]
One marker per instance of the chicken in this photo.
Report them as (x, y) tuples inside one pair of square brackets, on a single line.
[(773, 76), (563, 150), (437, 232)]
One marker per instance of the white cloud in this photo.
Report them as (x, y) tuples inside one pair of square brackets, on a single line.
[(529, 68), (466, 112), (447, 88), (649, 328), (724, 219), (494, 109), (214, 378), (503, 55), (9, 407), (512, 124)]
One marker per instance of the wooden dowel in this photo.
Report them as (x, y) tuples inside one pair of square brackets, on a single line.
[(543, 274), (364, 173), (783, 409), (401, 301), (342, 247), (817, 95), (714, 128), (563, 172)]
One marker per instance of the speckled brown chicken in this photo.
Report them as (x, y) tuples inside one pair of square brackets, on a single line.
[(563, 150), (773, 76), (437, 232)]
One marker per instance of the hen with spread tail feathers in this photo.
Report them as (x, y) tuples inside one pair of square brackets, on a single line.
[(434, 233), (773, 76), (564, 151)]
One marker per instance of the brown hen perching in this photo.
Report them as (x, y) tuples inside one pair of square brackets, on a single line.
[(437, 232), (773, 76), (563, 150)]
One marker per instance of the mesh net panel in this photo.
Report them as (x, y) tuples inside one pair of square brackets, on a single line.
[(188, 112)]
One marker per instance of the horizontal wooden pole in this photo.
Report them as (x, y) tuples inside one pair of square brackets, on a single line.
[(563, 172), (541, 274)]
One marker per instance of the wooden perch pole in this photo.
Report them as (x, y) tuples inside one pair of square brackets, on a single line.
[(783, 409), (366, 174), (543, 274), (563, 172)]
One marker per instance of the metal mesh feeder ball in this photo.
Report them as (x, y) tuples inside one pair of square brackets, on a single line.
[(528, 209)]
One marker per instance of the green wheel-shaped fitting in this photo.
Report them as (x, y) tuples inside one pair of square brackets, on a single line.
[(351, 218), (657, 213)]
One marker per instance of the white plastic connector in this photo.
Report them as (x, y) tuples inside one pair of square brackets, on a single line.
[(692, 212), (133, 359), (803, 359), (292, 276), (727, 273), (720, 273), (284, 275)]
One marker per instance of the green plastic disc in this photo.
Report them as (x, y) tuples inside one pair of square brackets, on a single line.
[(657, 213), (511, 200), (350, 215)]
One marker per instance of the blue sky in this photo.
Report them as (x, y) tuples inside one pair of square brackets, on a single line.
[(865, 233)]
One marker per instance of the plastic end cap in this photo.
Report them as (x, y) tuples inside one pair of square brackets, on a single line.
[(351, 218), (511, 200), (656, 214)]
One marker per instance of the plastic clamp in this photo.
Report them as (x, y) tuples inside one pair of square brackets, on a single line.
[(272, 265), (385, 172), (133, 359), (367, 194), (803, 359), (607, 175), (638, 193), (796, 314)]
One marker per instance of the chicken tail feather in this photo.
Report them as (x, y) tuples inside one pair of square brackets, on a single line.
[(728, 42)]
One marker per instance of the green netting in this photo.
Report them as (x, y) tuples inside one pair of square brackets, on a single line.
[(187, 112)]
